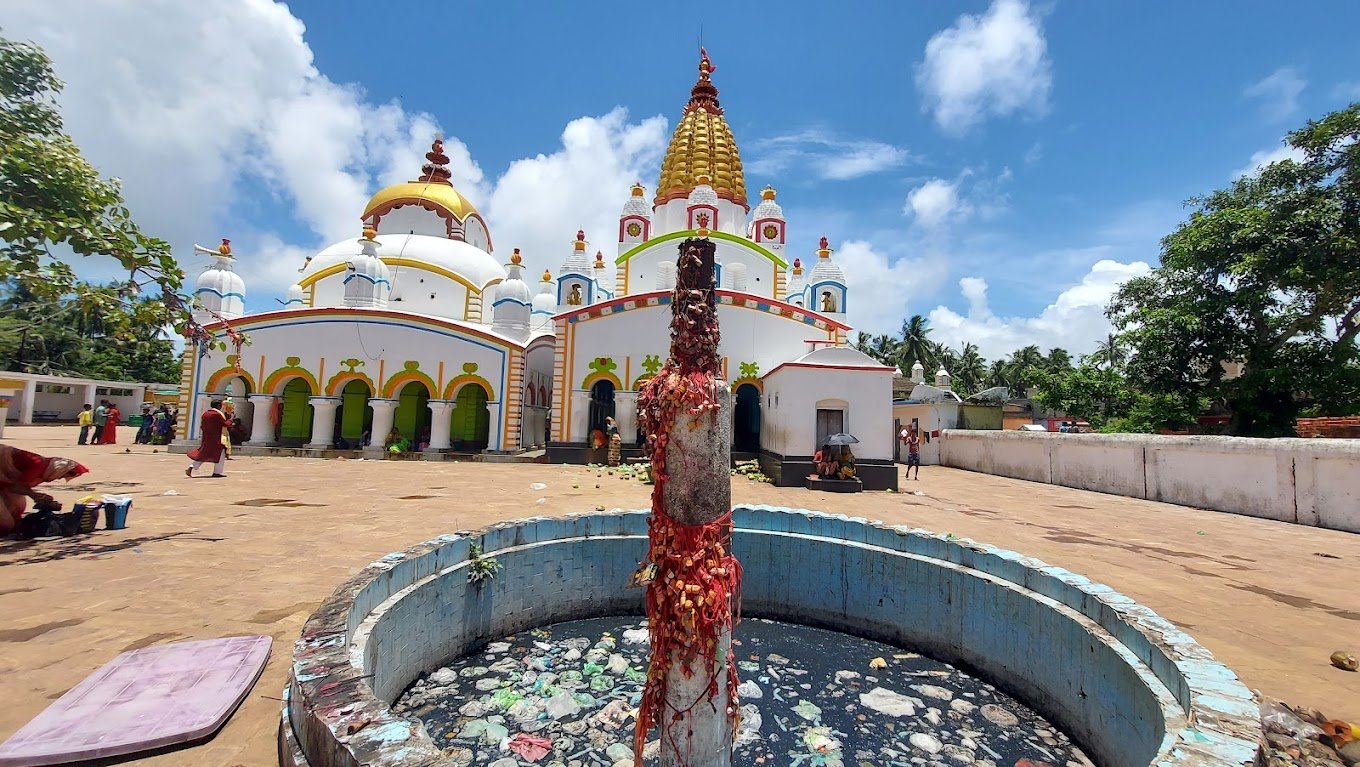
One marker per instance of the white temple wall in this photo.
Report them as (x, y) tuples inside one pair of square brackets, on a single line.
[(761, 272), (414, 290), (413, 219), (329, 348), (794, 394)]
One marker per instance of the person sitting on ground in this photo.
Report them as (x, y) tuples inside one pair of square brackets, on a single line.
[(22, 471), (395, 443), (847, 462), (827, 464)]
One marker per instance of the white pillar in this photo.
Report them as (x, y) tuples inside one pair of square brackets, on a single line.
[(323, 422), (384, 411), (580, 416), (493, 434), (625, 414), (261, 423), (201, 403), (89, 395), (26, 408), (441, 423)]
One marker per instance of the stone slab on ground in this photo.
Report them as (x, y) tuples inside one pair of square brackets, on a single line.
[(256, 552)]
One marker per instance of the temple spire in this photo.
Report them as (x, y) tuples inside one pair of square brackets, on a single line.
[(436, 171), (704, 94)]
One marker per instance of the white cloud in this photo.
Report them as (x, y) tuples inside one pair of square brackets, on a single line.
[(190, 102), (939, 203), (1267, 156), (827, 156), (1278, 93), (879, 289), (1075, 320), (540, 202), (995, 64), (1348, 91), (935, 202)]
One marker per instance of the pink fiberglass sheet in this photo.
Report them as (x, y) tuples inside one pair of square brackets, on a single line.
[(150, 698)]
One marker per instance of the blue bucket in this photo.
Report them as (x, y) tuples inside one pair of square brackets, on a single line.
[(116, 511)]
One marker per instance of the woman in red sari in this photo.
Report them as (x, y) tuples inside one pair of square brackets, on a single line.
[(20, 472), (210, 448), (110, 434)]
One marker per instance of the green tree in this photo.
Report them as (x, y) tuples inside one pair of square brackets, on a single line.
[(1024, 367), (1265, 273), (881, 347), (914, 345), (1110, 353), (1058, 360), (999, 374), (971, 370)]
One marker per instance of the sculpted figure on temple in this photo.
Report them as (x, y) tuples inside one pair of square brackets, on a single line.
[(828, 302), (574, 299)]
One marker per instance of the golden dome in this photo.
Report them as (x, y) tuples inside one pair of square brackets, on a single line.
[(432, 190), (702, 146)]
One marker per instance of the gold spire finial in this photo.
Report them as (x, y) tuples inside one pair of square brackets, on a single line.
[(225, 247), (797, 266), (370, 232), (638, 189), (547, 275), (823, 249), (515, 257), (767, 193), (599, 259), (580, 240)]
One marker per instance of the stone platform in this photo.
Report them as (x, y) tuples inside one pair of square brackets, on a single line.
[(852, 485)]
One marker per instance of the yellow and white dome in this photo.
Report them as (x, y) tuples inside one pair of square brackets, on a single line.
[(702, 145)]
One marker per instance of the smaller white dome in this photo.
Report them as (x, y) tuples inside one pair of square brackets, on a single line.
[(703, 194), (767, 208), (637, 204), (513, 286), (222, 282), (369, 281), (295, 295), (220, 290)]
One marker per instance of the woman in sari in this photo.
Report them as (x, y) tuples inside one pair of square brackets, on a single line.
[(212, 433), (160, 426), (20, 472), (110, 433)]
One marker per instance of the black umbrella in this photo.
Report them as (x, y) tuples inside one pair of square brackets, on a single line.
[(841, 439)]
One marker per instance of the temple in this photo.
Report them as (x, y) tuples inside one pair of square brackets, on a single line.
[(415, 330)]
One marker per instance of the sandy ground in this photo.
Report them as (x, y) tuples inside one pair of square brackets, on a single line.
[(256, 552)]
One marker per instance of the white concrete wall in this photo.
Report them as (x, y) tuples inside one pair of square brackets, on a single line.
[(794, 394), (931, 417), (760, 271), (412, 285), (1304, 481)]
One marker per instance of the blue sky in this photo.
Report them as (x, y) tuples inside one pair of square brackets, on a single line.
[(999, 166)]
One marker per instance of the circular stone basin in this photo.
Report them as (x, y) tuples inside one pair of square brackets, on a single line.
[(567, 693), (1128, 686)]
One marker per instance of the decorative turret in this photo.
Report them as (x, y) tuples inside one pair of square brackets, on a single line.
[(219, 290), (428, 205), (767, 223), (826, 284), (635, 221), (702, 210), (544, 305), (941, 378), (296, 298), (796, 284), (918, 372), (602, 280), (368, 281), (576, 278), (510, 312)]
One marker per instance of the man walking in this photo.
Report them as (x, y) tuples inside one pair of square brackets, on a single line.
[(912, 439), (86, 420), (210, 448), (101, 416)]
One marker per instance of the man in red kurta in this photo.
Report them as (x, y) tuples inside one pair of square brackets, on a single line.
[(210, 448)]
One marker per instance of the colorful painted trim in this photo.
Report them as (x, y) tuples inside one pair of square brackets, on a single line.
[(725, 297), (684, 233)]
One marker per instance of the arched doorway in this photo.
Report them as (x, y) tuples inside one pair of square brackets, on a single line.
[(295, 422), (601, 406), (354, 417), (746, 421), (413, 414), (235, 393), (471, 430)]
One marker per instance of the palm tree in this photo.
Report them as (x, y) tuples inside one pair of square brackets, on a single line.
[(999, 374), (971, 370), (914, 345), (1059, 360), (1110, 353), (946, 358), (881, 347)]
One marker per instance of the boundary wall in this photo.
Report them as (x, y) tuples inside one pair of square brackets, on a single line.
[(1312, 482)]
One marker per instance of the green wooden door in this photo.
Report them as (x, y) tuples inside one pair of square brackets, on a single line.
[(355, 415), (471, 421), (297, 411), (413, 416)]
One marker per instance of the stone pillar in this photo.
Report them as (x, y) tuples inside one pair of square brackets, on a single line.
[(441, 424), (323, 422), (493, 433), (580, 416), (201, 402), (262, 422), (384, 412), (625, 414), (26, 408)]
